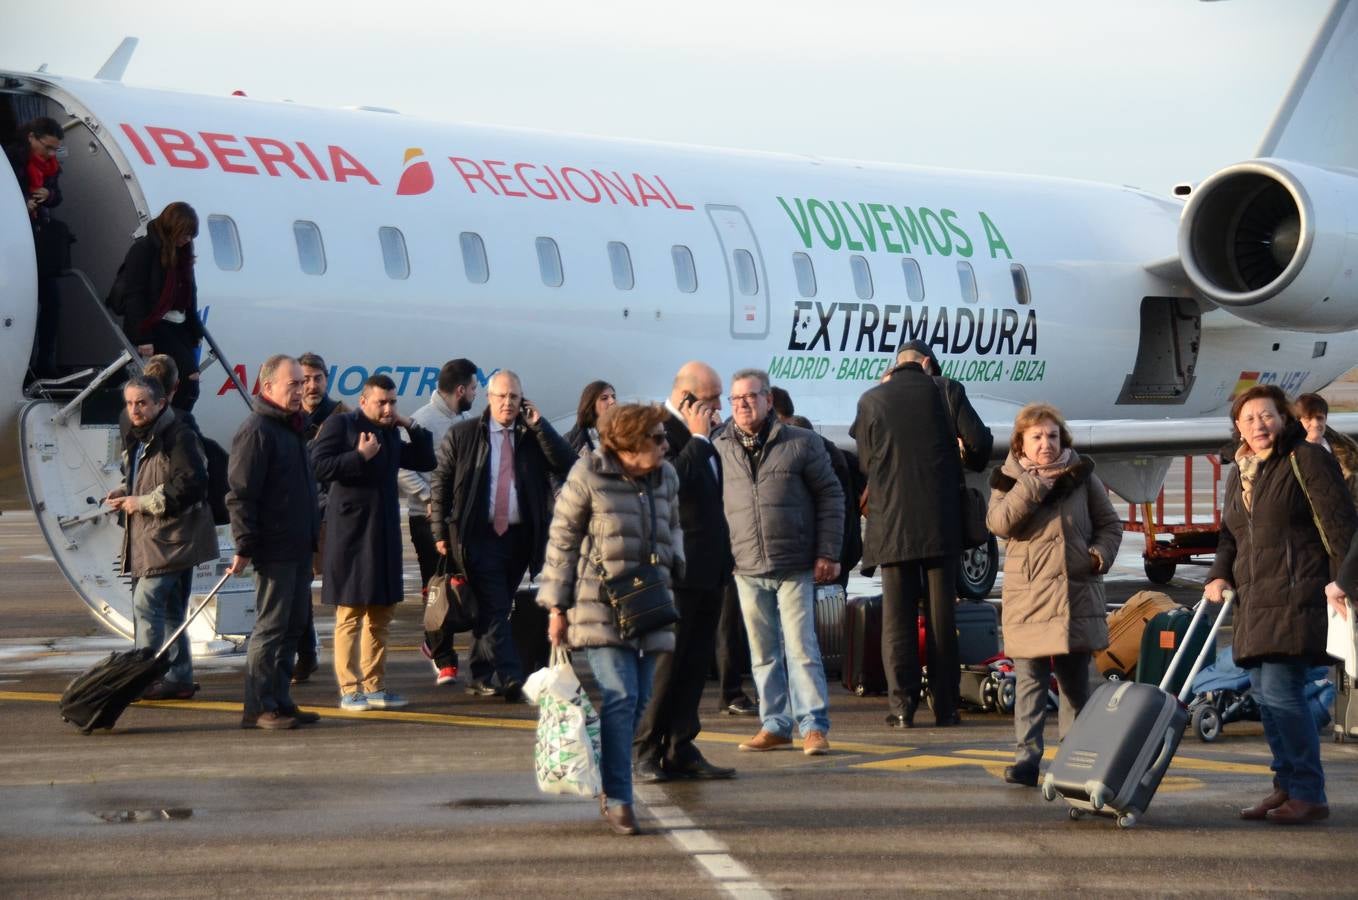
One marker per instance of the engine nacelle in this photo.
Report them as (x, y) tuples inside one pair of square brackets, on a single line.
[(1274, 242)]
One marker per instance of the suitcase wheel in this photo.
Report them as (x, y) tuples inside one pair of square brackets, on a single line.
[(1075, 814), (861, 690), (1207, 723), (1049, 792), (1127, 819)]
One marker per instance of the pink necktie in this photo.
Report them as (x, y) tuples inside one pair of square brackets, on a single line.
[(502, 479)]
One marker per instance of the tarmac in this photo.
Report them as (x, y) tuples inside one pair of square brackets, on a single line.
[(438, 799)]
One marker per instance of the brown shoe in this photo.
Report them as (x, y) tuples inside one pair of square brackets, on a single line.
[(815, 744), (766, 740), (1259, 811), (275, 721), (1298, 812), (621, 818)]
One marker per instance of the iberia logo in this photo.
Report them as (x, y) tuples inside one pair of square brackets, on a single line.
[(1247, 381), (417, 177)]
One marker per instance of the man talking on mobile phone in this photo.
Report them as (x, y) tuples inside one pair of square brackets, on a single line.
[(490, 505), (663, 747)]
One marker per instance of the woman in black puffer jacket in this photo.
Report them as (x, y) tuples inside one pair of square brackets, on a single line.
[(1286, 521)]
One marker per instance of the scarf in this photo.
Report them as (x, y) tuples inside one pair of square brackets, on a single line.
[(37, 171), (1048, 474), (175, 293), (1249, 463), (754, 442), (297, 421)]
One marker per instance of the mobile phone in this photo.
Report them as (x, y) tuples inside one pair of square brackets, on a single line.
[(689, 399)]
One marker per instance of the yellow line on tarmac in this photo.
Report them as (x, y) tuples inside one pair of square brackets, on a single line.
[(386, 715), (1191, 763)]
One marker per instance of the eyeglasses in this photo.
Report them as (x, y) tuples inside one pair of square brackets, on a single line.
[(50, 146), (497, 396), (744, 399), (660, 439)]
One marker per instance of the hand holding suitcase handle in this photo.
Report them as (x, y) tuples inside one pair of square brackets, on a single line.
[(1227, 597)]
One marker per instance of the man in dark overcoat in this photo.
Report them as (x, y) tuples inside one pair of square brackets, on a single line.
[(907, 430), (359, 455)]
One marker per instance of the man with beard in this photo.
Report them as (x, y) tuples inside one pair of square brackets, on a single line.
[(358, 454), (317, 406), (455, 395)]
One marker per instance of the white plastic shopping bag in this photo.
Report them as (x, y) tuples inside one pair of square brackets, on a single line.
[(566, 755), (1342, 641)]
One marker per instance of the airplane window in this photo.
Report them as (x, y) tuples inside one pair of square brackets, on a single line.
[(1020, 277), (621, 263), (225, 242), (685, 275), (394, 255), (747, 279), (549, 262), (966, 279), (474, 257), (806, 274), (914, 281), (862, 277), (310, 248)]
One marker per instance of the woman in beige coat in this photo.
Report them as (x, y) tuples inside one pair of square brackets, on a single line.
[(1063, 534)]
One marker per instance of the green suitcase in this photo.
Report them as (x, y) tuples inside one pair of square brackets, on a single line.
[(1164, 634)]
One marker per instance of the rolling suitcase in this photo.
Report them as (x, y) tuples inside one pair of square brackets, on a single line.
[(1125, 627), (1161, 640), (978, 633), (863, 670), (1122, 743), (830, 600), (528, 629), (97, 697)]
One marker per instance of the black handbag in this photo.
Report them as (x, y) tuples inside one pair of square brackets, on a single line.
[(640, 596), (974, 531), (449, 604)]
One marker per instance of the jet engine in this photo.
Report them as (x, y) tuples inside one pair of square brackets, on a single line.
[(1276, 243)]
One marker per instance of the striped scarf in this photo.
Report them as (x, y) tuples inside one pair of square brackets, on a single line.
[(1249, 463)]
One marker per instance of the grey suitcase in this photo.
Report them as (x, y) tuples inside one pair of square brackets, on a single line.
[(1345, 707), (1117, 752)]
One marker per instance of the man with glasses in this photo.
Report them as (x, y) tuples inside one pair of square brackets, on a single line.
[(785, 509), (490, 505), (274, 524), (663, 746)]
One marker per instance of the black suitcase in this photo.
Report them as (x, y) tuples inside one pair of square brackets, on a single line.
[(830, 601), (96, 698), (528, 628), (1164, 634), (1117, 752), (863, 670), (978, 632)]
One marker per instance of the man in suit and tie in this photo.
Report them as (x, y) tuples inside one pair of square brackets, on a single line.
[(663, 746), (490, 503)]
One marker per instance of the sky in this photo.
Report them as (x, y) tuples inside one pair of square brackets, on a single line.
[(1149, 93)]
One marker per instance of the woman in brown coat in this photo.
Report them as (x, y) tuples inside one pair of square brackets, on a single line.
[(1286, 522), (1063, 534)]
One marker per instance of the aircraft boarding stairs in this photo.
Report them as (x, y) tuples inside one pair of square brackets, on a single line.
[(71, 451)]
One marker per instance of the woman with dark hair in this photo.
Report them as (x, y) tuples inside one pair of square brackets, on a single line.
[(594, 399), (34, 160), (618, 511), (33, 156), (159, 295), (1062, 536), (1286, 523)]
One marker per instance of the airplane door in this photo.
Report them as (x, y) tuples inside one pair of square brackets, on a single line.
[(745, 273)]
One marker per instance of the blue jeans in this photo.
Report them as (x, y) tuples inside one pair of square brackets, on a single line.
[(1289, 726), (159, 604), (624, 676), (779, 612)]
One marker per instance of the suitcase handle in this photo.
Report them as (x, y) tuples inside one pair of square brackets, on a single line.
[(1208, 645), (169, 642)]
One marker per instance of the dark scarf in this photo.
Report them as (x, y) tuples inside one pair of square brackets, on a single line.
[(296, 420), (175, 293)]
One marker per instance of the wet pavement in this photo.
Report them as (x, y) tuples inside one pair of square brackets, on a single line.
[(439, 799)]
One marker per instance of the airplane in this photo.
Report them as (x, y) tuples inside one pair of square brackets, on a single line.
[(389, 243)]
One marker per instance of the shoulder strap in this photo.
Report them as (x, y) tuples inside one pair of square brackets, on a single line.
[(1315, 516)]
